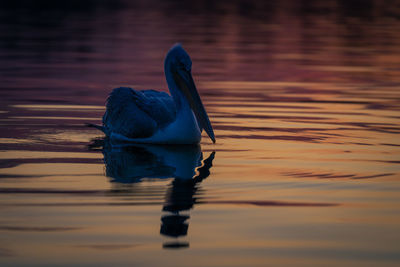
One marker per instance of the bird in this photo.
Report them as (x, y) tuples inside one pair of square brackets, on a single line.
[(154, 117)]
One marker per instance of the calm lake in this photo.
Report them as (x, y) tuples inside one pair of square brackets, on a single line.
[(304, 98)]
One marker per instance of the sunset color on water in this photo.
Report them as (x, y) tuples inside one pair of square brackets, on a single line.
[(304, 102)]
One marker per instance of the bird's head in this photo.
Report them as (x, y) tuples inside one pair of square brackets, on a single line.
[(179, 65), (178, 59)]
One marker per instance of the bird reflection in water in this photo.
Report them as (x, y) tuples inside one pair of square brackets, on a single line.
[(131, 163)]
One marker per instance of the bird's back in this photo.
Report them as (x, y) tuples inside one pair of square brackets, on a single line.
[(137, 114)]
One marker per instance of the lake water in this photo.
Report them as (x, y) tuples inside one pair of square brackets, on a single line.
[(304, 98)]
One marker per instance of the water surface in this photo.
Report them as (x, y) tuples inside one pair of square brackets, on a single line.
[(304, 98)]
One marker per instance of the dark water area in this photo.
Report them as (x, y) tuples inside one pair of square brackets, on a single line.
[(304, 98)]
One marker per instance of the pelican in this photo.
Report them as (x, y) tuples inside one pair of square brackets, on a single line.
[(149, 116)]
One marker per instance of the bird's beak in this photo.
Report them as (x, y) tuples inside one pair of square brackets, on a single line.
[(184, 80)]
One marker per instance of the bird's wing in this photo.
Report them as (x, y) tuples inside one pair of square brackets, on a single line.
[(160, 106), (137, 114)]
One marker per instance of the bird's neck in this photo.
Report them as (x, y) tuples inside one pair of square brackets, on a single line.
[(179, 98)]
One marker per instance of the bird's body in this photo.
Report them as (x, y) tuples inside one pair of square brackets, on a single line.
[(149, 116)]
